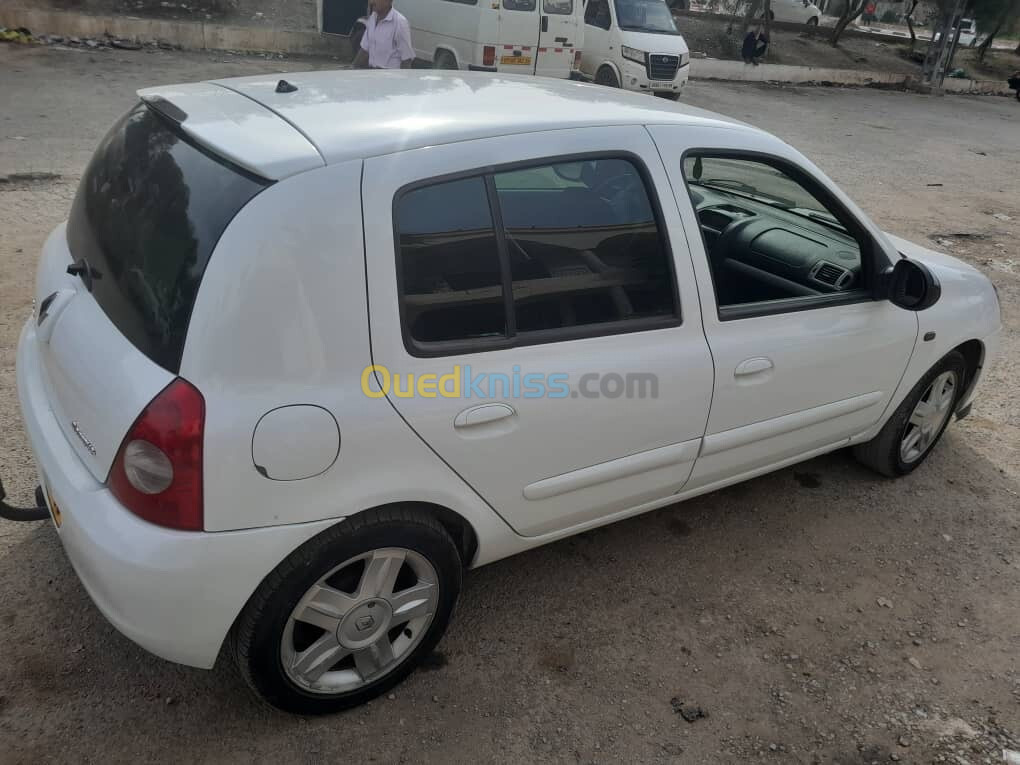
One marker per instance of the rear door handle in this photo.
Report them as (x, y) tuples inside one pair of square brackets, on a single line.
[(479, 415), (753, 366)]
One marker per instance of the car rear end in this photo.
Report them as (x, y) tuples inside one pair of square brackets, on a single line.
[(117, 434)]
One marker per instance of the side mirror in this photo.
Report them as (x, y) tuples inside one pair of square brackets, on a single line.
[(911, 285)]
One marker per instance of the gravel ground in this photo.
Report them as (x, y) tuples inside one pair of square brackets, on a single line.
[(819, 614)]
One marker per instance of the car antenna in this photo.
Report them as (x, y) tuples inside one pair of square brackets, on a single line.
[(285, 87)]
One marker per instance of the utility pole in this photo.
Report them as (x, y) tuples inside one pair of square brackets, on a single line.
[(941, 51)]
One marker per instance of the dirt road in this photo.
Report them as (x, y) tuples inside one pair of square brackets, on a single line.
[(818, 614)]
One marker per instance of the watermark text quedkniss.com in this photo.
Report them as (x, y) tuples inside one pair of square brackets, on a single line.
[(463, 382)]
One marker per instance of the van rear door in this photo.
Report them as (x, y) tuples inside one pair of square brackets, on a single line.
[(517, 48), (560, 36)]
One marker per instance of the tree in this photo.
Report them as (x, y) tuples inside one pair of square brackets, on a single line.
[(1005, 12), (851, 11), (909, 18)]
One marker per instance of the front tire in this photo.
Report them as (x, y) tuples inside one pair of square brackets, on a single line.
[(350, 613), (813, 21), (918, 423), (606, 76)]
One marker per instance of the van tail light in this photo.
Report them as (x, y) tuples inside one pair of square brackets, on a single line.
[(157, 473), (489, 55), (577, 60)]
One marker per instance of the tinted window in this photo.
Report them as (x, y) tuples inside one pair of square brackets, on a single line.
[(520, 5), (597, 13), (148, 213), (583, 244), (450, 269), (564, 7), (771, 234)]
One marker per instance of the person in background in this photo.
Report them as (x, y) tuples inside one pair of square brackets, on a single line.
[(756, 42), (386, 43), (869, 13)]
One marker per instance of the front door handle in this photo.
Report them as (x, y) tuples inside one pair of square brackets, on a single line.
[(753, 366), (479, 415)]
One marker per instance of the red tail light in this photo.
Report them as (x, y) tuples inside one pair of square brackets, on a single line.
[(489, 55), (577, 59), (157, 474)]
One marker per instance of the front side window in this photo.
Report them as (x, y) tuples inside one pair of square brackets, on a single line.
[(645, 16), (558, 7), (571, 247), (770, 234), (596, 14)]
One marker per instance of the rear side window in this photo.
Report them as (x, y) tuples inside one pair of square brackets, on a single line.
[(534, 254), (451, 285), (149, 211)]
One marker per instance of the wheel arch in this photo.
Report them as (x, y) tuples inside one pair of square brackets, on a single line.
[(444, 48), (461, 531), (973, 352), (611, 65)]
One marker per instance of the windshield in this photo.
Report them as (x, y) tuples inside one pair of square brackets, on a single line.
[(645, 16), (760, 182)]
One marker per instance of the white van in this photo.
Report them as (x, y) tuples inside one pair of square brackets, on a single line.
[(634, 44), (516, 36)]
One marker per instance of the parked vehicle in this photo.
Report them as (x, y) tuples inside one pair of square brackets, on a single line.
[(635, 44), (542, 37), (306, 350), (796, 12), (968, 34)]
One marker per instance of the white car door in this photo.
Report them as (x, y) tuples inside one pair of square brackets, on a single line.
[(549, 289), (804, 357)]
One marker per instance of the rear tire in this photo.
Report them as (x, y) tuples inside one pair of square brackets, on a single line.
[(891, 452), (606, 76), (350, 613), (443, 59), (813, 21)]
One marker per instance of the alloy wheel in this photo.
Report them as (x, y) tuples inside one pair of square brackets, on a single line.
[(928, 418), (360, 621)]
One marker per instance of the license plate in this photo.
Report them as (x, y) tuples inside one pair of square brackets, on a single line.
[(515, 60), (660, 84)]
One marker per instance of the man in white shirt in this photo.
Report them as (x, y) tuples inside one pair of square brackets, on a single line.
[(386, 43)]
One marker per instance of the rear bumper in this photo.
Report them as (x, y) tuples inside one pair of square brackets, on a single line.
[(174, 593)]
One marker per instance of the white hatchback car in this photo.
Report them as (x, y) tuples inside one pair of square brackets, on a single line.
[(304, 351)]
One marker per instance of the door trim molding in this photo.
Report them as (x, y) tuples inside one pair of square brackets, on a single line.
[(777, 426), (624, 467)]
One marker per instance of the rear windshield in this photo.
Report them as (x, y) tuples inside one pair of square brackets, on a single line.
[(149, 211)]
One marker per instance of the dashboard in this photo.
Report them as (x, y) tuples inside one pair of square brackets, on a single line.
[(758, 251)]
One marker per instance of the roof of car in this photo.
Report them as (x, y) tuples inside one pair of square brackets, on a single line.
[(353, 114)]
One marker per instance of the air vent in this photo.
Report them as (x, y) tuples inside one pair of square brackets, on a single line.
[(832, 275)]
